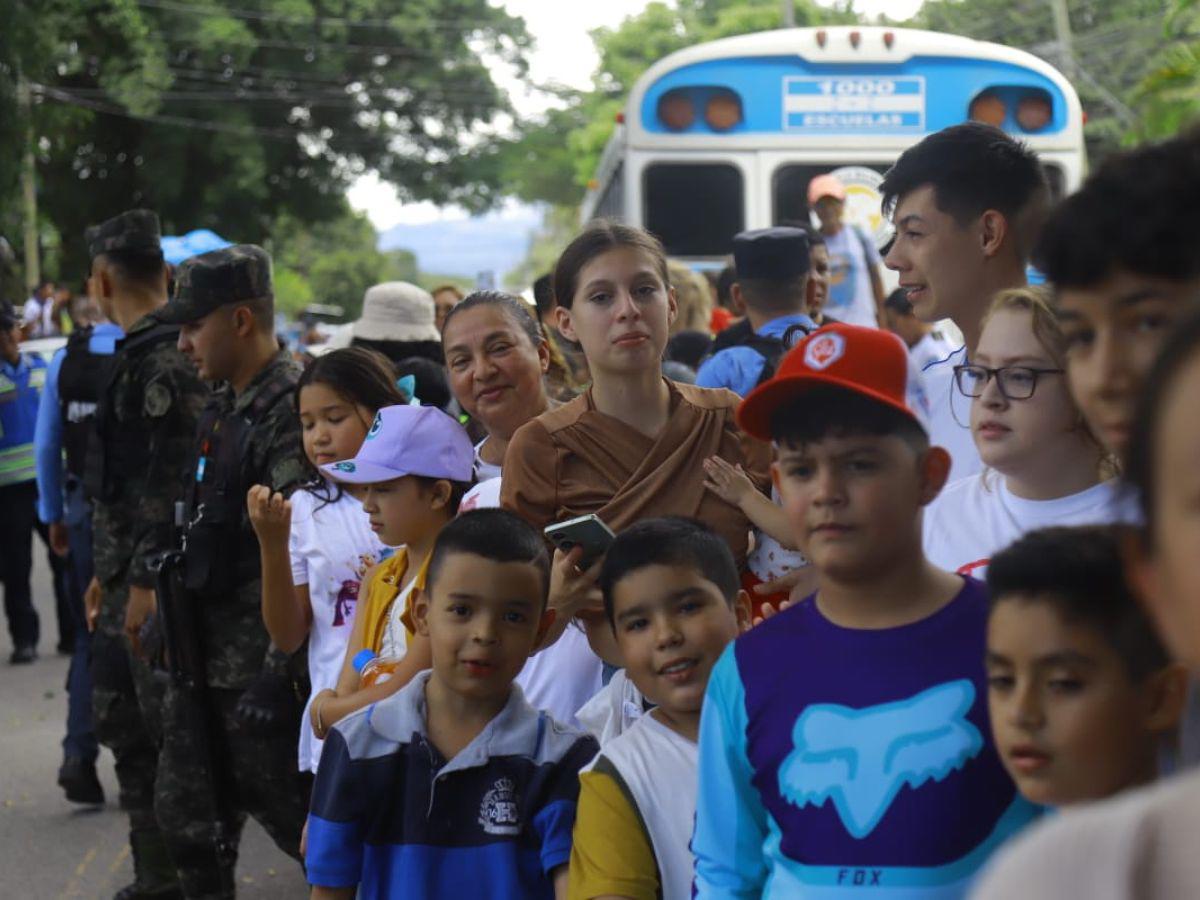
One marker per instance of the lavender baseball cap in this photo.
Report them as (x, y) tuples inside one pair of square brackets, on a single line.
[(408, 440)]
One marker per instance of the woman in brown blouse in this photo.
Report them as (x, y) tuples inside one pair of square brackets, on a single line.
[(632, 447)]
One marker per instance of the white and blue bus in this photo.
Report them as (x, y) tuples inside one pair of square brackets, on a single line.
[(725, 136)]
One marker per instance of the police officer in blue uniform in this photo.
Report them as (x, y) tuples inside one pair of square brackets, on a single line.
[(21, 378)]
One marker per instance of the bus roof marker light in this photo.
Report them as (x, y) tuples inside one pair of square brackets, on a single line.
[(676, 110), (987, 107), (855, 39), (1034, 111), (723, 110)]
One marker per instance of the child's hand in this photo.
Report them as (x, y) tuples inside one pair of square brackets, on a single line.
[(727, 481), (768, 610), (270, 514), (573, 589)]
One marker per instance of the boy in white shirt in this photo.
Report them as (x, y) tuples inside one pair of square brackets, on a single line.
[(966, 202), (671, 594)]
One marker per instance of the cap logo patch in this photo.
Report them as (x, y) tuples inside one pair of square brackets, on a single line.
[(344, 467), (824, 350), (375, 426)]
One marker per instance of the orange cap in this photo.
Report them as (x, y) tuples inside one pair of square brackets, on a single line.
[(867, 361), (825, 186)]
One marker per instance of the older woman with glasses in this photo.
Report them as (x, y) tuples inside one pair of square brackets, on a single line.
[(1042, 466)]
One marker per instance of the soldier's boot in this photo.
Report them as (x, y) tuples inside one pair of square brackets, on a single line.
[(154, 875)]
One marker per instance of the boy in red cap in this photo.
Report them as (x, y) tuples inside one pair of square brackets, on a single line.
[(844, 744)]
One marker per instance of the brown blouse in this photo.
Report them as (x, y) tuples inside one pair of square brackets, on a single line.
[(574, 460)]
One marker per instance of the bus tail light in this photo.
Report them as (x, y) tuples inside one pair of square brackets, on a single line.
[(889, 38), (723, 110), (987, 108), (855, 39), (676, 110), (1034, 111), (821, 38)]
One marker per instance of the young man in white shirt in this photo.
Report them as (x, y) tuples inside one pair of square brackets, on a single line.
[(966, 202)]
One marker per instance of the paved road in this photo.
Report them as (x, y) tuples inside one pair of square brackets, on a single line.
[(50, 848)]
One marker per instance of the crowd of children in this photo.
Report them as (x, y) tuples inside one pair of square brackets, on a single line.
[(995, 600)]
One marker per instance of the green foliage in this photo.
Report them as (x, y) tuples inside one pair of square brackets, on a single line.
[(562, 168), (229, 114), (1169, 96), (1113, 44)]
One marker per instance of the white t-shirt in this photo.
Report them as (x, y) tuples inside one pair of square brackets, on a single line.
[(976, 517), (770, 559), (331, 549), (851, 298), (932, 348), (947, 408), (564, 676), (660, 768), (1140, 845), (484, 470), (613, 710), (394, 643)]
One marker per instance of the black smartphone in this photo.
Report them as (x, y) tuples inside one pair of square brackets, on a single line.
[(588, 532)]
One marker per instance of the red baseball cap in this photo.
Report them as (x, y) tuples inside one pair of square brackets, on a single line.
[(867, 361)]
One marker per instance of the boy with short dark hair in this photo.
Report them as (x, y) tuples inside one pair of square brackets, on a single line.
[(672, 597), (455, 786), (844, 745), (1080, 689), (1125, 267), (966, 202)]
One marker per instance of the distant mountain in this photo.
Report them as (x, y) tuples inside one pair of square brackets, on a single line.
[(495, 242)]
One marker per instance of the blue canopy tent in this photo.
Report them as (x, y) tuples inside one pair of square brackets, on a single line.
[(177, 249)]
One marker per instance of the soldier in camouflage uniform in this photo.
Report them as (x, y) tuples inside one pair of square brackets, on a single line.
[(135, 471), (249, 434)]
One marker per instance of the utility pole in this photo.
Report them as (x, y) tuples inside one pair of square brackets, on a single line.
[(789, 13), (1062, 33), (33, 269)]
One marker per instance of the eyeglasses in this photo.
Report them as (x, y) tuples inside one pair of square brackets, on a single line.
[(1015, 382)]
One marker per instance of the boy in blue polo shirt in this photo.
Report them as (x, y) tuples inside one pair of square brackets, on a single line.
[(844, 743), (455, 786)]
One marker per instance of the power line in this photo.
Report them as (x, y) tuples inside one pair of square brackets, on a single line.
[(283, 18)]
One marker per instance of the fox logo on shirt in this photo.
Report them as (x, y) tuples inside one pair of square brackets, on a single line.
[(861, 758)]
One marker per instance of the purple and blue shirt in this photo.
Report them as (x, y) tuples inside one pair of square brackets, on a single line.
[(837, 760)]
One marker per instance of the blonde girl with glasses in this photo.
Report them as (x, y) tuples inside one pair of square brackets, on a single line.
[(1042, 466)]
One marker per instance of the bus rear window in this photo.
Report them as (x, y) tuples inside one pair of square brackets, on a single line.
[(695, 209), (789, 191)]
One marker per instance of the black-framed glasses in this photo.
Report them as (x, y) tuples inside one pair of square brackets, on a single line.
[(1014, 382)]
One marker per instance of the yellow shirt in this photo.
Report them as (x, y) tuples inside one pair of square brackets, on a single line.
[(382, 590), (610, 848)]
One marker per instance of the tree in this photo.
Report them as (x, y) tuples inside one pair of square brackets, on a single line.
[(1169, 96), (1113, 43), (587, 118), (228, 114)]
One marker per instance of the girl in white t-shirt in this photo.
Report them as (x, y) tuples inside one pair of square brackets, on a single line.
[(1043, 466), (317, 546), (497, 356)]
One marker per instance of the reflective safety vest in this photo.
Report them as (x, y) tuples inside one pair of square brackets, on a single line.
[(20, 391)]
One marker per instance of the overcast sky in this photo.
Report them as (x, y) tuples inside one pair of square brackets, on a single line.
[(563, 53)]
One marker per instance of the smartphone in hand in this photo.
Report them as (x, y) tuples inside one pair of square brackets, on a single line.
[(588, 532)]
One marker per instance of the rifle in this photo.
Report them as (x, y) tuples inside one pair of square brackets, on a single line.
[(185, 664)]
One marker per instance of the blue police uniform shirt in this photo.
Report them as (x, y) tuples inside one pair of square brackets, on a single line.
[(47, 441), (392, 815), (841, 762), (20, 385), (739, 368)]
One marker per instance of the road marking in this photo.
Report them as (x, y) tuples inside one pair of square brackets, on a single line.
[(121, 856), (73, 886)]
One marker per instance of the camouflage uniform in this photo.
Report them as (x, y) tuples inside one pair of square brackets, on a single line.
[(259, 773), (152, 399)]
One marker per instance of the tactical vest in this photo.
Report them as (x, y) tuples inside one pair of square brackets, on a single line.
[(220, 550), (81, 380), (121, 450)]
